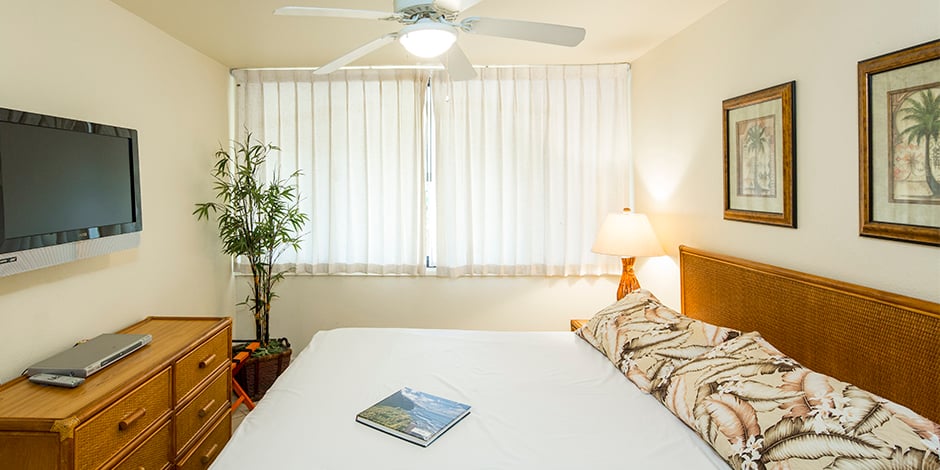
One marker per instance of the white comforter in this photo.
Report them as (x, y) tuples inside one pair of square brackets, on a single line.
[(540, 400)]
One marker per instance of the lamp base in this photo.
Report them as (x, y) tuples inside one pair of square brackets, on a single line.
[(628, 280)]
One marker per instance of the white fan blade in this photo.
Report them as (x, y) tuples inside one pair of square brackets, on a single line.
[(458, 65), (526, 30), (456, 6), (356, 53), (335, 12)]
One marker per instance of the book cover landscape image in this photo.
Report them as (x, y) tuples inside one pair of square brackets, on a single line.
[(415, 416)]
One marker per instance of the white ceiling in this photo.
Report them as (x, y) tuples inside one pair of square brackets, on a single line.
[(244, 33)]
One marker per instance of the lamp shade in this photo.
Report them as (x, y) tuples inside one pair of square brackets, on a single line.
[(627, 234), (427, 38)]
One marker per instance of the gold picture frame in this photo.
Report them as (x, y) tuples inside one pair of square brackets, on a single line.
[(899, 145), (760, 156)]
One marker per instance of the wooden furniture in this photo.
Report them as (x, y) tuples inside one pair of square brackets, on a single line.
[(577, 323), (882, 342), (237, 362), (165, 406)]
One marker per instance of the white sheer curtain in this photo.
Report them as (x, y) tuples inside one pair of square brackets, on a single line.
[(357, 137), (529, 160)]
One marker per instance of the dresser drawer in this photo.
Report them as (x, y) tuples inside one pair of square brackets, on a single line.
[(107, 432), (201, 363), (198, 413), (153, 454), (209, 448)]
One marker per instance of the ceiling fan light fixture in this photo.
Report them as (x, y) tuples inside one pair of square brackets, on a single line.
[(427, 38)]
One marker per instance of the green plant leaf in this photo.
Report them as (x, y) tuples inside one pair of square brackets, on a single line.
[(258, 217)]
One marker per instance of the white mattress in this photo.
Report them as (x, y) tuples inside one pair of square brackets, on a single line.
[(540, 400)]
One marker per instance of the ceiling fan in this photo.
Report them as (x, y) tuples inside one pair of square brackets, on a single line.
[(431, 28)]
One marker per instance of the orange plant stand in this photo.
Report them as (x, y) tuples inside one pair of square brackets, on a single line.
[(237, 362)]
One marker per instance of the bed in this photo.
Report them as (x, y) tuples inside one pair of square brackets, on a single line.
[(550, 400)]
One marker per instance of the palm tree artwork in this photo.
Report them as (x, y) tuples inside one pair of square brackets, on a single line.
[(758, 152), (921, 111)]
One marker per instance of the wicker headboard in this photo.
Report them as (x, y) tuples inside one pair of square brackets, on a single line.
[(885, 343)]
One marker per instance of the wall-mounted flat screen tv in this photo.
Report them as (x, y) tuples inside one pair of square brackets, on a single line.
[(69, 189)]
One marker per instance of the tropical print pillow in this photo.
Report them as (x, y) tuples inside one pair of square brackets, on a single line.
[(760, 410), (601, 330), (646, 340)]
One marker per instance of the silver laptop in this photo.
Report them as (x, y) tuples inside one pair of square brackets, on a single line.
[(91, 356)]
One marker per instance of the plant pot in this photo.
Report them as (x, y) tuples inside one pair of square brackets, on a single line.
[(259, 373)]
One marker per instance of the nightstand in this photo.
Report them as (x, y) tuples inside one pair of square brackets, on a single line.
[(575, 324)]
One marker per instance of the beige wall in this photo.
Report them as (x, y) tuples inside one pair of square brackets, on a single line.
[(92, 60), (308, 304), (747, 45), (743, 46)]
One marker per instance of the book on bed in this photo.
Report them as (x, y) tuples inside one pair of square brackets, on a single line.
[(414, 416)]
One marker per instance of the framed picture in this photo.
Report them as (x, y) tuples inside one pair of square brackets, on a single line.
[(899, 145), (759, 156)]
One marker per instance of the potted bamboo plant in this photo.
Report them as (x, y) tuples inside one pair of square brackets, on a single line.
[(258, 218)]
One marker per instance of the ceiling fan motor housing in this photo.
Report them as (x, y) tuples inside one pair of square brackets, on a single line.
[(410, 8)]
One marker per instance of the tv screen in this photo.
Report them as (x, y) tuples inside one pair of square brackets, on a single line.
[(63, 181)]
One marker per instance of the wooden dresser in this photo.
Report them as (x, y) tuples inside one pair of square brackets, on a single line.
[(164, 406)]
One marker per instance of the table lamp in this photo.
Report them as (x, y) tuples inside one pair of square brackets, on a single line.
[(628, 235)]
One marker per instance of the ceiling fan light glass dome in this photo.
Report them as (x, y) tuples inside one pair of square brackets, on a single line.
[(427, 39)]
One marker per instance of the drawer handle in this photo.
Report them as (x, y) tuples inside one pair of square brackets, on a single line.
[(205, 362), (130, 419), (205, 410), (205, 459)]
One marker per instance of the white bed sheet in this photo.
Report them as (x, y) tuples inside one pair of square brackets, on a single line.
[(540, 400)]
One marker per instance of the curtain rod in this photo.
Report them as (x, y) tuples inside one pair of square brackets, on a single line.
[(413, 67)]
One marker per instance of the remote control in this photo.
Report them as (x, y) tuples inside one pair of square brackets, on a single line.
[(57, 380)]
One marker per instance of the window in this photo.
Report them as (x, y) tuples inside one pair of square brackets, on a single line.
[(509, 174)]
